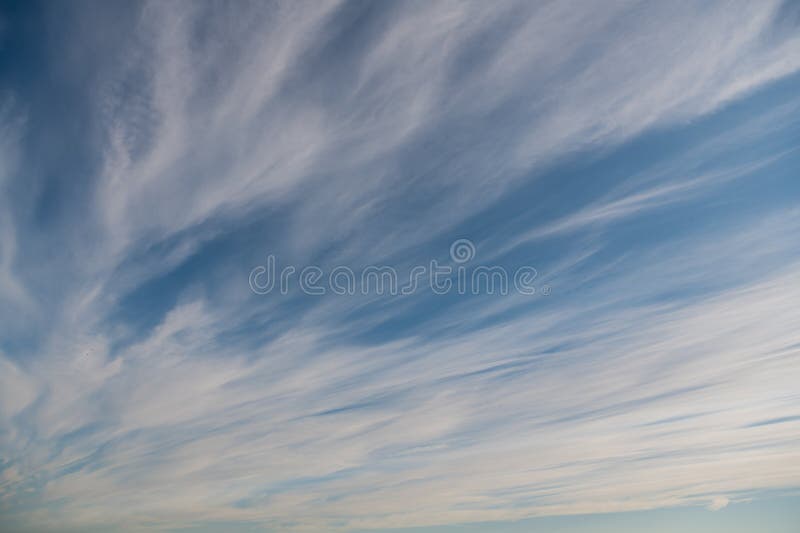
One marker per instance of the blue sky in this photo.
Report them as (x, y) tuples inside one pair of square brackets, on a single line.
[(642, 156)]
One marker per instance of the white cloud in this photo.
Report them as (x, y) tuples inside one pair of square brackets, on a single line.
[(652, 406), (610, 400), (718, 503), (619, 69)]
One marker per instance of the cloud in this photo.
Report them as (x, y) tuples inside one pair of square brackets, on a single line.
[(147, 387), (391, 93), (641, 400), (718, 503)]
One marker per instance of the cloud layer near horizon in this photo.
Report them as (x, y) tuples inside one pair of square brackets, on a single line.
[(642, 156)]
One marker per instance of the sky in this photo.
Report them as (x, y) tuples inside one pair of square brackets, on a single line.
[(631, 167)]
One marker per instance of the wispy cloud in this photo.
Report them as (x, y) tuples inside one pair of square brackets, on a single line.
[(144, 386)]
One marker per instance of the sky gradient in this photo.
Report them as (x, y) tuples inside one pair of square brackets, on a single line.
[(642, 156)]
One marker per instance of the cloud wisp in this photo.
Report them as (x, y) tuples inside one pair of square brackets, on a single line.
[(641, 157)]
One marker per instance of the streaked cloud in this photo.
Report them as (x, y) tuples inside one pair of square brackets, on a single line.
[(640, 155)]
